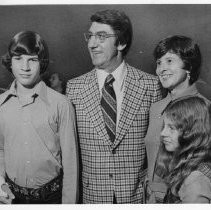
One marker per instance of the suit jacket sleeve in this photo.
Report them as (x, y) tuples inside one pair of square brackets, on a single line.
[(68, 142), (157, 96)]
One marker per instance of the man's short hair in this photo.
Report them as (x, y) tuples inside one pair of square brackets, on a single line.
[(186, 49), (27, 43), (120, 23)]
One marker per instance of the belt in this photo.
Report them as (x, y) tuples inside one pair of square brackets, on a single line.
[(40, 193)]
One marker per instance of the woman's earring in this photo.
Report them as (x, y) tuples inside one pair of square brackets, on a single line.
[(188, 75)]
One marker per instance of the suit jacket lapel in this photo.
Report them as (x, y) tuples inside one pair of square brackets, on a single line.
[(91, 100), (133, 94)]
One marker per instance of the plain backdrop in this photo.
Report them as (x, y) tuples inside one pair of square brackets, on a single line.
[(62, 27)]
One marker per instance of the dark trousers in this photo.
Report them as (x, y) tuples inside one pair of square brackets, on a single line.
[(54, 198), (114, 199), (50, 193)]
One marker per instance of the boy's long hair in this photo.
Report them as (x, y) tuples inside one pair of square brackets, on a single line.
[(27, 43), (191, 116)]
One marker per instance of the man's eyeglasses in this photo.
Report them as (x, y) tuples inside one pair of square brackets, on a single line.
[(101, 36)]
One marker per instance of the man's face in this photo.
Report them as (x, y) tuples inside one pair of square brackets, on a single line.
[(104, 55), (26, 69)]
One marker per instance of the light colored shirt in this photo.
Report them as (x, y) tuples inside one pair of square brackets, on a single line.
[(196, 189), (38, 138), (118, 85)]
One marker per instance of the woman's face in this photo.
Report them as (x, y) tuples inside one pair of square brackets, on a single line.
[(171, 73), (54, 81), (170, 135)]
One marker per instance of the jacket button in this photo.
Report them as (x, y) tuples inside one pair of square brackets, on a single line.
[(113, 151), (110, 176)]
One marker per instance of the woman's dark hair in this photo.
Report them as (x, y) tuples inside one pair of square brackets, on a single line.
[(190, 115), (27, 43), (186, 49), (120, 23)]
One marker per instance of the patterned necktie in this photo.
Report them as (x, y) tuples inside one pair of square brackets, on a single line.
[(109, 107)]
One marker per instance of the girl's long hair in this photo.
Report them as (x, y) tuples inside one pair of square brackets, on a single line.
[(191, 116)]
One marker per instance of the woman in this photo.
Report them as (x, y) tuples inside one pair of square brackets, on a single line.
[(178, 61), (186, 151), (57, 82)]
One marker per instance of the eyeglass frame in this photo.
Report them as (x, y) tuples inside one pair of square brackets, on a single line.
[(97, 35)]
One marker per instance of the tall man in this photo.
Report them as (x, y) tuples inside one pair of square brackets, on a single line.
[(112, 103)]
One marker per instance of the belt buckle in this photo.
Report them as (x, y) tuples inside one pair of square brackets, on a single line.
[(35, 193), (54, 187), (23, 191)]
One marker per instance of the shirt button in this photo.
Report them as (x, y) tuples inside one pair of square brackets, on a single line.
[(113, 152), (110, 176), (28, 161), (25, 142)]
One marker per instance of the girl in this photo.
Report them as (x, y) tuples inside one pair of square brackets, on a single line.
[(186, 151)]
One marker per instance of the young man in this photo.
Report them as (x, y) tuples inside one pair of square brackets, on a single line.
[(38, 155), (112, 108)]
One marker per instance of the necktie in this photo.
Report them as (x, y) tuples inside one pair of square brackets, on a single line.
[(108, 104)]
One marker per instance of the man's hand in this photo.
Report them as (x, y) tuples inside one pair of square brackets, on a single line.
[(6, 196)]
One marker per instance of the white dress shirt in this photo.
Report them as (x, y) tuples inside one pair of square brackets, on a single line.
[(118, 85)]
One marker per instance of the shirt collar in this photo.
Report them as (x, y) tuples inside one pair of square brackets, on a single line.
[(118, 74), (192, 90), (12, 89), (39, 90)]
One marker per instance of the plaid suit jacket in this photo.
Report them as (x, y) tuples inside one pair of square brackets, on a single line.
[(118, 167)]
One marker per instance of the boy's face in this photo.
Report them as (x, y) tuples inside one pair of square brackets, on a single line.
[(26, 69)]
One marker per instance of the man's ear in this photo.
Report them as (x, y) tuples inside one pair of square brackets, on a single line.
[(121, 47)]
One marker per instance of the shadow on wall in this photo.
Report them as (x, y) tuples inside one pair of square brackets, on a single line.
[(62, 26), (204, 88)]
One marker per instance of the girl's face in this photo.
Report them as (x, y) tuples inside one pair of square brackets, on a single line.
[(171, 73), (170, 135)]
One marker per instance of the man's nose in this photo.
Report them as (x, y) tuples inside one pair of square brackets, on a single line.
[(93, 42)]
